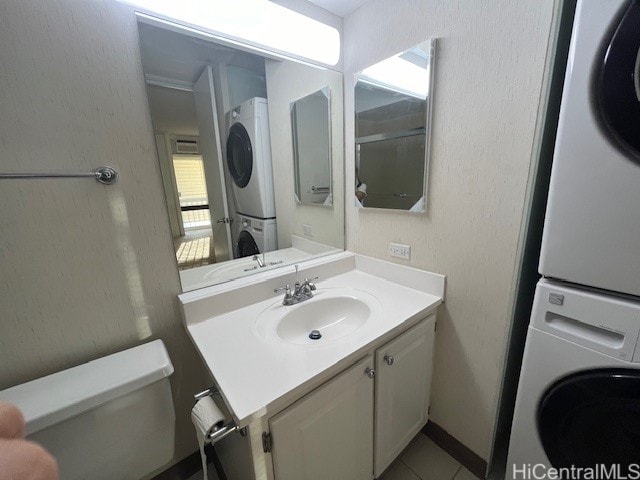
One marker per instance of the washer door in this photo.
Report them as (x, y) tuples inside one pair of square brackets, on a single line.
[(246, 245), (618, 85), (239, 155), (592, 417)]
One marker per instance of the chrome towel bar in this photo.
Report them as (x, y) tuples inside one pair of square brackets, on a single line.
[(105, 175)]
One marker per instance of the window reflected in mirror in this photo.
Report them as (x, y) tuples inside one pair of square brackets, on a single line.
[(392, 125), (311, 131)]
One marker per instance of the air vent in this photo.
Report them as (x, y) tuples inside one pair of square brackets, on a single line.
[(187, 146)]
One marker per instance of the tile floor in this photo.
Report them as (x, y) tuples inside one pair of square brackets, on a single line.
[(422, 460), (195, 249), (211, 474)]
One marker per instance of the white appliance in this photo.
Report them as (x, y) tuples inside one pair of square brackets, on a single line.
[(249, 158), (579, 392), (579, 382), (254, 236), (592, 225), (109, 418)]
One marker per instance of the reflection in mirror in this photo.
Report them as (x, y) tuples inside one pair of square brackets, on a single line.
[(392, 124), (226, 161), (312, 148)]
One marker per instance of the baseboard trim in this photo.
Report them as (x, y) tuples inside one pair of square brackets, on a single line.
[(192, 464), (467, 457)]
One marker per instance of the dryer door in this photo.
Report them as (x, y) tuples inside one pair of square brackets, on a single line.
[(247, 245), (239, 155), (592, 417), (618, 85)]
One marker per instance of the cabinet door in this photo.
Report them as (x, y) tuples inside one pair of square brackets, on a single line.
[(403, 382), (328, 434)]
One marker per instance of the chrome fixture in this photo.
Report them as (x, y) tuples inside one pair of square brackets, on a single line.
[(315, 335), (218, 433), (301, 291), (259, 260), (105, 175)]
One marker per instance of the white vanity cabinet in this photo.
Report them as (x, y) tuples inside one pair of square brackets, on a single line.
[(335, 432), (328, 433), (403, 383)]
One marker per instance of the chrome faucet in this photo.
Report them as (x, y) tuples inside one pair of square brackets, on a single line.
[(301, 291), (259, 260)]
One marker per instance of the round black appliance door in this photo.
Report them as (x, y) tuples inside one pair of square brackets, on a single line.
[(618, 82), (592, 417), (239, 155), (246, 245)]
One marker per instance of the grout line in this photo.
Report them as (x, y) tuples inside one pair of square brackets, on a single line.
[(412, 470), (457, 472)]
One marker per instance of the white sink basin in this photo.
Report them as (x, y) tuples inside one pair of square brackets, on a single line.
[(333, 313)]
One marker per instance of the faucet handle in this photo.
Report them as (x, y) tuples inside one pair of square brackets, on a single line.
[(288, 298), (309, 282), (286, 288)]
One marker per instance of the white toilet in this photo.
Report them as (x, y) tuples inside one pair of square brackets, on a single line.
[(111, 418)]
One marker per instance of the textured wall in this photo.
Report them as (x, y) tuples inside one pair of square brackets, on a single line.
[(85, 270), (489, 71), (287, 82)]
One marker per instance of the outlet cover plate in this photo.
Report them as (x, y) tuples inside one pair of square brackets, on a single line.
[(307, 230), (399, 250)]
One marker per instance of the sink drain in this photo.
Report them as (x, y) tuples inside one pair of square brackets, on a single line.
[(315, 335)]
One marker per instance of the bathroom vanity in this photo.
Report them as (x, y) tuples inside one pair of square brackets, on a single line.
[(341, 406)]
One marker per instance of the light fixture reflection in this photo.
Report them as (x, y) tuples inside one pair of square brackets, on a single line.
[(256, 22), (399, 75)]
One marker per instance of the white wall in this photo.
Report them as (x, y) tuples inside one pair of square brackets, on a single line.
[(286, 82), (489, 70), (172, 111), (85, 270), (244, 84)]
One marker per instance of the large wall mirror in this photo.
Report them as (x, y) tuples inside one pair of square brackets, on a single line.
[(222, 123), (392, 128)]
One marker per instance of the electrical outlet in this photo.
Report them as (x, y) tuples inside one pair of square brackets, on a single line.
[(307, 230), (400, 251)]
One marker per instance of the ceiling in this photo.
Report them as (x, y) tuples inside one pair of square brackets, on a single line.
[(342, 8), (179, 57)]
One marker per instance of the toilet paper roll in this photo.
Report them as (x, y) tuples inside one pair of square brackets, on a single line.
[(206, 418)]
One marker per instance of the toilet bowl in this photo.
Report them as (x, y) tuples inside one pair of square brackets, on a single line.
[(111, 418)]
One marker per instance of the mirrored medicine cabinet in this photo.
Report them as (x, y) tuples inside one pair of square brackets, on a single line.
[(311, 127), (393, 101)]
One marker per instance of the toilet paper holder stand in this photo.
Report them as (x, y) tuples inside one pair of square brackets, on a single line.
[(219, 432)]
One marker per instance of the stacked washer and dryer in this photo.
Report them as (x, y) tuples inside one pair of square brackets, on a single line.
[(578, 401), (249, 164)]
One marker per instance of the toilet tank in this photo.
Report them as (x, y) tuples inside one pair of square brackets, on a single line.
[(111, 418)]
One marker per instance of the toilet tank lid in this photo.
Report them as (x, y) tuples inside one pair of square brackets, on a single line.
[(62, 395)]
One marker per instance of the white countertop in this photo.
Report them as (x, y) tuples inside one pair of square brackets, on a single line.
[(254, 373)]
